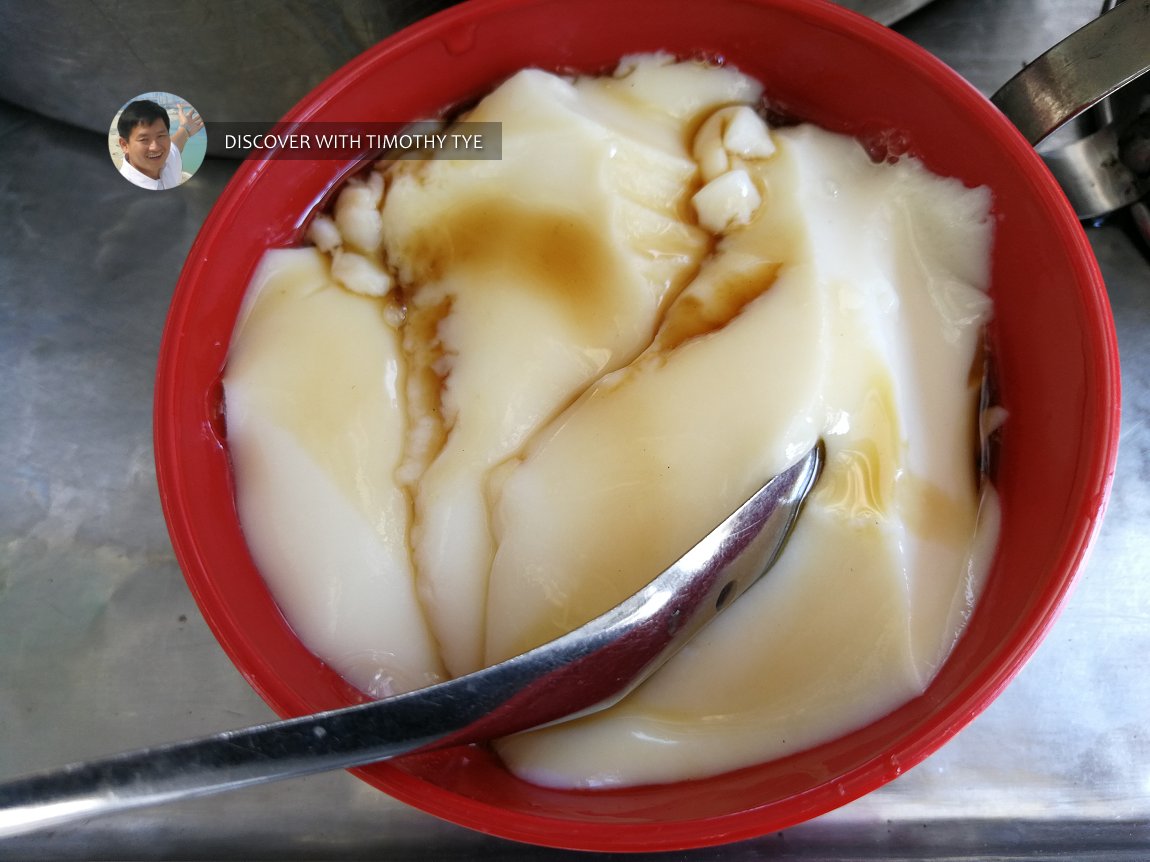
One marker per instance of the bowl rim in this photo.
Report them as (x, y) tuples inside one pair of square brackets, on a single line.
[(481, 816)]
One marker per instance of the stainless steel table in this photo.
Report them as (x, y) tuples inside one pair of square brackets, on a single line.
[(102, 648)]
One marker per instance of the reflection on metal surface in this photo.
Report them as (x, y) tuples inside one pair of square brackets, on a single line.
[(1079, 71), (245, 61), (884, 11), (1094, 174)]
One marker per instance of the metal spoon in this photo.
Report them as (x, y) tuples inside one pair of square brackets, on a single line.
[(582, 672)]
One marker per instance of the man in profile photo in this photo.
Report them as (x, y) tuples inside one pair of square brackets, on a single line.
[(152, 155)]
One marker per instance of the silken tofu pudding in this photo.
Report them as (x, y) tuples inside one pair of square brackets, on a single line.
[(491, 399)]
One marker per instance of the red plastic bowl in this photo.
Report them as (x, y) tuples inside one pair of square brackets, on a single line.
[(1053, 341)]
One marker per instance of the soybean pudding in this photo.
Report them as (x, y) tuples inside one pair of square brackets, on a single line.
[(492, 398)]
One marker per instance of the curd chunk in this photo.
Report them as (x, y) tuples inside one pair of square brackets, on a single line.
[(871, 322), (315, 426), (527, 278), (498, 397)]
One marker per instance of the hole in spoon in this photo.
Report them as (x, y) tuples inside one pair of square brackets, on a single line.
[(725, 596)]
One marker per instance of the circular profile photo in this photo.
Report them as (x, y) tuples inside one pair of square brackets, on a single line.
[(157, 141)]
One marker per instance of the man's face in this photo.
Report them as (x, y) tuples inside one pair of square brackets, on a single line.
[(147, 148)]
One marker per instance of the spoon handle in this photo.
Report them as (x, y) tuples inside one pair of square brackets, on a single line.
[(581, 672)]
